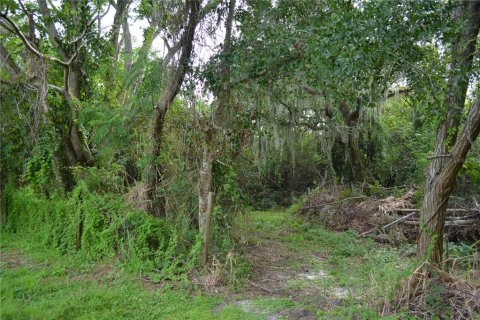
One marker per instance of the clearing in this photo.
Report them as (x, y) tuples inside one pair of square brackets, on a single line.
[(297, 270)]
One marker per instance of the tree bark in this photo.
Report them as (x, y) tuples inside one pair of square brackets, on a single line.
[(205, 192), (450, 153), (127, 40), (354, 154), (118, 20), (430, 243), (76, 147), (205, 199), (176, 77)]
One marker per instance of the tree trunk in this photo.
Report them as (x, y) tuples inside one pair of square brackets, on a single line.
[(76, 148), (205, 192), (441, 173), (155, 171), (430, 243), (127, 40), (121, 11), (154, 175), (354, 154), (205, 198), (78, 151)]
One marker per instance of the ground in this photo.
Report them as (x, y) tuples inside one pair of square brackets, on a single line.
[(297, 270)]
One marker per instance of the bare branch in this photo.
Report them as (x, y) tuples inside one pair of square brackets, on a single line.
[(84, 32), (6, 27), (28, 44), (51, 29), (18, 32), (53, 87)]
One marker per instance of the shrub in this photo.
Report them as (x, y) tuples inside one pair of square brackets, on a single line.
[(99, 226)]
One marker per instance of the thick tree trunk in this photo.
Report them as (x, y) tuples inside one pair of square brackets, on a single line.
[(76, 147), (78, 152), (155, 171), (441, 173), (355, 156), (430, 243)]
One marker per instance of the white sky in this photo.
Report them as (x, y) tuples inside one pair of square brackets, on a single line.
[(204, 49)]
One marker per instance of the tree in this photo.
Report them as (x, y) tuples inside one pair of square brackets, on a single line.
[(176, 75), (67, 51), (450, 148), (212, 142)]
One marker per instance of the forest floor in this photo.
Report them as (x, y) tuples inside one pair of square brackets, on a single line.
[(297, 270)]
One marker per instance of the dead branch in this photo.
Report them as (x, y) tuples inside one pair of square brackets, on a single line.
[(398, 220)]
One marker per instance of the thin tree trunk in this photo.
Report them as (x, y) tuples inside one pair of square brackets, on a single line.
[(118, 20), (127, 40), (205, 192), (205, 198)]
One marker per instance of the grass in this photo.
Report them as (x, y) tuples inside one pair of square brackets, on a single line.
[(369, 271), (44, 285), (37, 283)]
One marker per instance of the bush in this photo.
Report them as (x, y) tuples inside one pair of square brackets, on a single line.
[(99, 227)]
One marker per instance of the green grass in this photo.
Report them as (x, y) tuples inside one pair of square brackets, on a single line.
[(49, 286), (43, 284), (369, 271), (273, 304)]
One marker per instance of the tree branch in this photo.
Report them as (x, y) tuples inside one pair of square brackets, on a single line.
[(51, 29), (29, 46)]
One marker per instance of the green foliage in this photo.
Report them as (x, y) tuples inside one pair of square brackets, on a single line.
[(97, 227), (45, 286), (405, 145), (102, 180)]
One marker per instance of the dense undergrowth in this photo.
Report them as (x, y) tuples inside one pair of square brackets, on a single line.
[(39, 283), (44, 280), (100, 226)]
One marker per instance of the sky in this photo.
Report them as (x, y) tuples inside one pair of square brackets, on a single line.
[(204, 48)]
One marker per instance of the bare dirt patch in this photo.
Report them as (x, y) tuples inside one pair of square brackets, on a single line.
[(270, 274), (278, 271), (101, 274), (12, 260)]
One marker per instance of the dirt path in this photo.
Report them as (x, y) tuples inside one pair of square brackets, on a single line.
[(282, 269)]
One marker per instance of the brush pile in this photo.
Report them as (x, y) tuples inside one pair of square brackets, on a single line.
[(389, 219), (433, 293)]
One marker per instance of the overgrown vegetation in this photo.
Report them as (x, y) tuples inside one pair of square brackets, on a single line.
[(142, 132), (99, 227)]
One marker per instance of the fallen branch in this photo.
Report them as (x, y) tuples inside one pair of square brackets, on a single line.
[(448, 210), (399, 220), (457, 223), (453, 218), (262, 288), (333, 202)]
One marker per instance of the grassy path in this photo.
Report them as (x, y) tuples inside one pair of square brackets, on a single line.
[(297, 271), (308, 272)]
